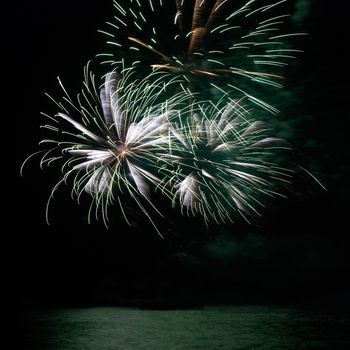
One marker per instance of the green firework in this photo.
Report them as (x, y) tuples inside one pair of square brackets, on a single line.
[(223, 163), (238, 46)]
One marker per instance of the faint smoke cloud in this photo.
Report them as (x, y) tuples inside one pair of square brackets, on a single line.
[(301, 12)]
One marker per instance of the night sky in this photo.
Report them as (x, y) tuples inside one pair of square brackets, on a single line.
[(300, 250)]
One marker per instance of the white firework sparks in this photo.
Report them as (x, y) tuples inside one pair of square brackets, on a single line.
[(119, 135)]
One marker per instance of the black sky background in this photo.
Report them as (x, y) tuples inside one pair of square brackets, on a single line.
[(300, 252)]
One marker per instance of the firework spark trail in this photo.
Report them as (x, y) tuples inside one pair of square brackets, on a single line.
[(116, 140), (223, 164), (241, 43)]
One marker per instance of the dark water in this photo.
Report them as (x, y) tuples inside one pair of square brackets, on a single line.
[(226, 327)]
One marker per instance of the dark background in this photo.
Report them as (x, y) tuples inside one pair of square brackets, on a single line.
[(299, 253)]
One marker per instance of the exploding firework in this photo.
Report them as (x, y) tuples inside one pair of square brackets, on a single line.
[(130, 138), (222, 164), (214, 45), (179, 119), (114, 138)]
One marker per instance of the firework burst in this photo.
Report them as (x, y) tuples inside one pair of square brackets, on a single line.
[(180, 120), (129, 138), (212, 44), (113, 138), (222, 164)]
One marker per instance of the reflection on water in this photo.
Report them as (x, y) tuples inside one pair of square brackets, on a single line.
[(226, 327)]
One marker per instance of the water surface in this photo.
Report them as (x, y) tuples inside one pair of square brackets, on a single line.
[(221, 327)]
